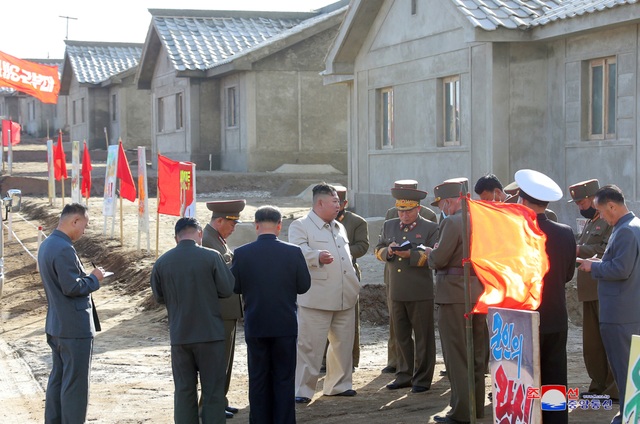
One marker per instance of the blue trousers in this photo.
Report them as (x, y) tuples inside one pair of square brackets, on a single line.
[(67, 395), (272, 374)]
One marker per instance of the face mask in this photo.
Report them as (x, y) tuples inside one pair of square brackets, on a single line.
[(444, 215), (589, 213)]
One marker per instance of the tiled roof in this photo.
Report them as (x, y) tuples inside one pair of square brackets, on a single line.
[(492, 14), (95, 62), (202, 42)]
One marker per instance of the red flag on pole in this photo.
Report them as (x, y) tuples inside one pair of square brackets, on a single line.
[(127, 187), (175, 188), (59, 160), (15, 132), (85, 188), (507, 250), (39, 81)]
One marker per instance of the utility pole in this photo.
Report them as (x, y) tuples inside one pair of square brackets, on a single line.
[(67, 18)]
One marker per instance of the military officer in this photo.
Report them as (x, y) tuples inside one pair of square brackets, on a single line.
[(402, 245), (592, 241), (446, 259), (392, 213), (225, 214), (513, 190)]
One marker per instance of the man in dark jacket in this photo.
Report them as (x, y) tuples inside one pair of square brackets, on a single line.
[(536, 191), (189, 279), (269, 275)]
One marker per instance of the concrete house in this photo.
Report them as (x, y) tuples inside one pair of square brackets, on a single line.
[(104, 102), (458, 88), (242, 91), (36, 118)]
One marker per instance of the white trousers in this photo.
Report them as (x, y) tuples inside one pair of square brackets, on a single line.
[(315, 326)]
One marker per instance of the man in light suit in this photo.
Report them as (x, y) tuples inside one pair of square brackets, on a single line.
[(269, 275), (618, 275), (225, 214), (72, 321), (327, 309), (189, 279)]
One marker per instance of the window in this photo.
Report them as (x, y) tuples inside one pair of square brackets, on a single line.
[(451, 111), (385, 126), (73, 112), (161, 114), (602, 98), (232, 111), (82, 109), (179, 116), (413, 7), (114, 108)]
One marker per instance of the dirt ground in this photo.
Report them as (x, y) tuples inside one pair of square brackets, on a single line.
[(131, 372)]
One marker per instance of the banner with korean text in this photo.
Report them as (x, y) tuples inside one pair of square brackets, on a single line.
[(39, 81), (514, 349), (632, 393), (176, 187)]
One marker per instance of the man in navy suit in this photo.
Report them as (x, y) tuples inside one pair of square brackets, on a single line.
[(618, 275), (72, 321), (269, 275)]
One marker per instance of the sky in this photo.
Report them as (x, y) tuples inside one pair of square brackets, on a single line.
[(34, 29)]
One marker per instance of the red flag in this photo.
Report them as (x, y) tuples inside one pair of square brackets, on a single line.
[(39, 81), (127, 187), (175, 188), (507, 250), (85, 188), (15, 132), (59, 160)]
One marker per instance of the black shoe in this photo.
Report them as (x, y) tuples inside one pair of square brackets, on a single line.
[(228, 414), (323, 369), (419, 389), (447, 420), (396, 386), (302, 399), (349, 393), (443, 372), (389, 370), (231, 409)]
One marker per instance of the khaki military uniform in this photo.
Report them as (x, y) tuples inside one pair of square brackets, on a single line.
[(392, 213), (593, 241), (231, 307), (446, 259), (411, 299)]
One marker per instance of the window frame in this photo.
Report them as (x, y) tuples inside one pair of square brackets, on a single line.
[(160, 114), (605, 113), (457, 139), (386, 121), (179, 111)]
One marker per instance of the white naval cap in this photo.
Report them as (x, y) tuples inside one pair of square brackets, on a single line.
[(538, 185)]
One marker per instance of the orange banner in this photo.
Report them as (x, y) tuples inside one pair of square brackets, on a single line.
[(508, 254), (39, 81)]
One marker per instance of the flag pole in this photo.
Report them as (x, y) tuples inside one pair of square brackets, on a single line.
[(157, 208), (121, 233), (467, 307), (62, 184)]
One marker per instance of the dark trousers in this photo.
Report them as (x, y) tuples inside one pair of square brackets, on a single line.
[(187, 360), (229, 350), (617, 342), (67, 395), (451, 325), (553, 370), (272, 374), (595, 356), (416, 345)]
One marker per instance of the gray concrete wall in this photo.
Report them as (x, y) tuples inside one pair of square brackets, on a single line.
[(286, 114), (135, 114)]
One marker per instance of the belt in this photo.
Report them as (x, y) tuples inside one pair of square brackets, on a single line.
[(455, 271)]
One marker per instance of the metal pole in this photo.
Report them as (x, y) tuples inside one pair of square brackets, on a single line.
[(38, 245), (9, 150), (467, 308)]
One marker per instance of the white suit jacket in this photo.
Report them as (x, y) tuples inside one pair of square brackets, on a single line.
[(334, 286)]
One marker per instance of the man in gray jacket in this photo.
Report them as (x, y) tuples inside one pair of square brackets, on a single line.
[(189, 279), (618, 275), (72, 321)]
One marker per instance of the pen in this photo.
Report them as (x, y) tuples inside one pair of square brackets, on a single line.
[(93, 265)]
